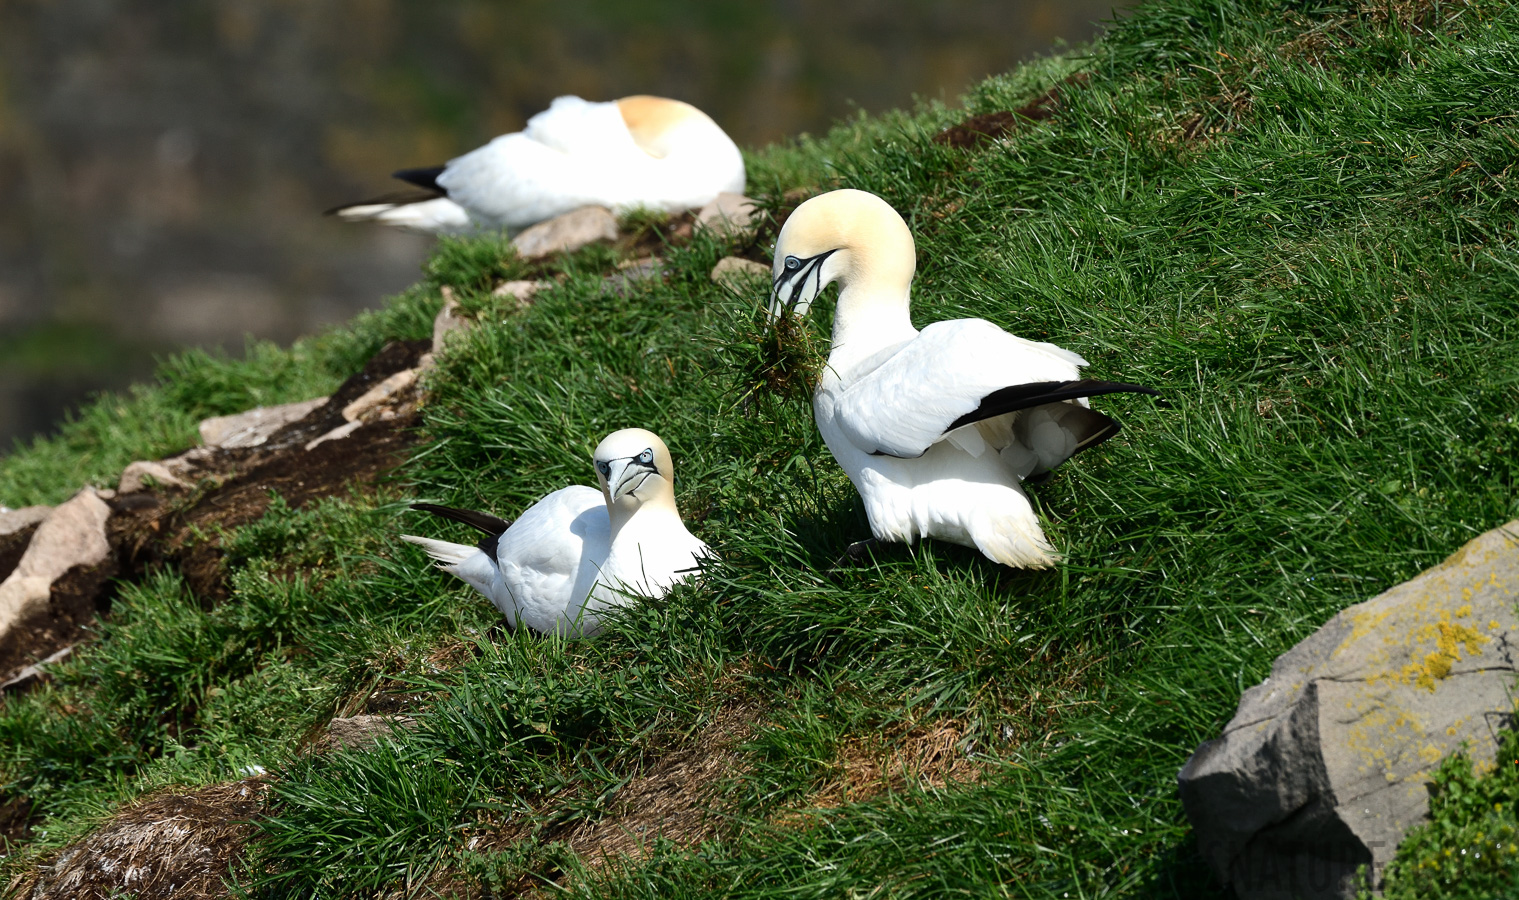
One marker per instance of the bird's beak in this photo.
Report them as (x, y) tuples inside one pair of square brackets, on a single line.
[(626, 476)]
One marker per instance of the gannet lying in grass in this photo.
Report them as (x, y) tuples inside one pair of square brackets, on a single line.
[(578, 551), (937, 429), (635, 152)]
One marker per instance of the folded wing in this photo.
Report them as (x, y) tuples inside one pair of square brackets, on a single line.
[(958, 373)]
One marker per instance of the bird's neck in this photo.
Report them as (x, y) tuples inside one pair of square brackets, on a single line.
[(646, 512), (870, 316)]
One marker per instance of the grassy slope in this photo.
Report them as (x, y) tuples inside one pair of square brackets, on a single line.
[(1294, 219)]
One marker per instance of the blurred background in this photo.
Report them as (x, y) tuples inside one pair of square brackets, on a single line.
[(163, 166)]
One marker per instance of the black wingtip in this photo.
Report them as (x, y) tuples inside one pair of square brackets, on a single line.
[(1025, 396), (492, 526), (422, 178), (395, 198)]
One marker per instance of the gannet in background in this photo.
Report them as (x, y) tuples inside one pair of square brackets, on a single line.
[(937, 429), (635, 152), (578, 551)]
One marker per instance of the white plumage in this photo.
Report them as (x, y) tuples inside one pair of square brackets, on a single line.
[(635, 152), (939, 428), (578, 551)]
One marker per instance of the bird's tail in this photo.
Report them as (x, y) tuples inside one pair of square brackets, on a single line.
[(420, 211), (470, 564)]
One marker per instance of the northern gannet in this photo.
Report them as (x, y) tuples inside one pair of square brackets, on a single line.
[(939, 428), (635, 152), (578, 551)]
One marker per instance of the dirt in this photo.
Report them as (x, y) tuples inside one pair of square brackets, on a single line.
[(171, 846), (12, 547), (76, 600), (988, 127)]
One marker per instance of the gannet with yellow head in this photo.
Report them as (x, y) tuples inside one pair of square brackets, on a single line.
[(937, 429), (640, 151), (578, 551)]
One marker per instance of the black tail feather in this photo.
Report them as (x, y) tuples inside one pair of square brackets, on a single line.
[(422, 178), (1026, 396), (491, 525)]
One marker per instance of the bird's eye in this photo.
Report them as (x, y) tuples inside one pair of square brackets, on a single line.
[(605, 468), (647, 456), (792, 263)]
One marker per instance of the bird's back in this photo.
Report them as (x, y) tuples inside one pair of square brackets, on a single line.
[(550, 556)]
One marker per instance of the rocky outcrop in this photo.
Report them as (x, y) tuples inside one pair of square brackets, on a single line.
[(567, 233), (14, 520), (1325, 764), (254, 427), (73, 535)]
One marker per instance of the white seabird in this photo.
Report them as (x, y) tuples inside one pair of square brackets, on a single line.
[(579, 551), (639, 151), (939, 428)]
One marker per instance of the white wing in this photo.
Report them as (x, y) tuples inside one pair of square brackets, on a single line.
[(902, 402), (569, 156), (554, 546)]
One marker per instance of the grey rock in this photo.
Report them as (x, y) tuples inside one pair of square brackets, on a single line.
[(563, 234), (522, 291), (448, 320), (386, 394), (136, 476), (35, 673), (1326, 763), (360, 732), (72, 535), (728, 213), (632, 273), (254, 427), (13, 520), (738, 275)]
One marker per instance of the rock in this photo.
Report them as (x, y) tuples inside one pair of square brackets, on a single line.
[(360, 732), (728, 213), (630, 273), (135, 477), (254, 427), (13, 520), (1325, 764), (448, 320), (732, 273), (72, 535), (522, 291), (368, 406), (35, 673), (336, 434), (563, 234)]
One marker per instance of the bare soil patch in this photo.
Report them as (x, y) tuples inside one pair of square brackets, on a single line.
[(171, 846)]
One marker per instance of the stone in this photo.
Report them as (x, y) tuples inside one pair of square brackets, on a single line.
[(360, 732), (1325, 765), (728, 213), (737, 274), (254, 427), (336, 434), (36, 673), (368, 405), (72, 535), (448, 320), (521, 291), (630, 273), (13, 520), (136, 476), (566, 233)]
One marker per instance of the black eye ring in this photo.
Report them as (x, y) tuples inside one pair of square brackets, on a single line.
[(604, 468), (647, 456), (792, 263)]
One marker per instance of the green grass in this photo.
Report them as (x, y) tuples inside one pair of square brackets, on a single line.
[(1294, 219)]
